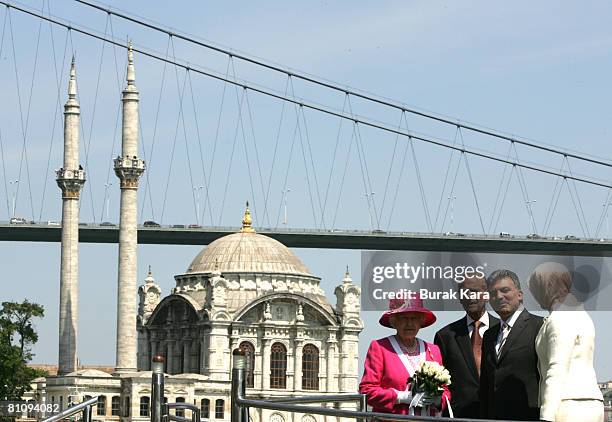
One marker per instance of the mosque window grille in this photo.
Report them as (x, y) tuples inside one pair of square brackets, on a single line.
[(310, 367), (180, 412), (145, 402), (278, 366), (115, 401), (205, 408), (249, 351), (101, 406), (219, 409)]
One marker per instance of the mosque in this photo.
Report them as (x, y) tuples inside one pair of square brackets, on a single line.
[(243, 290)]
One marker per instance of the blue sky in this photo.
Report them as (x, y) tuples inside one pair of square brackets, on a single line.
[(540, 71)]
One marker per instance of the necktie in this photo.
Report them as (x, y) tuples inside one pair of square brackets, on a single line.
[(505, 331), (477, 344)]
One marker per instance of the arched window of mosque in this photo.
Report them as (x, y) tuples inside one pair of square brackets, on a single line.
[(144, 406), (219, 409), (205, 408), (180, 412), (278, 366), (310, 367), (277, 417), (101, 407), (249, 352)]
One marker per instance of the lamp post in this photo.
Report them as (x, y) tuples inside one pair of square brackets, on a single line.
[(197, 191), (285, 193), (14, 182), (530, 212), (107, 200), (452, 212), (368, 196)]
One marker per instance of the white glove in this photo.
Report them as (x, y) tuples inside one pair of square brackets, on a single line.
[(404, 397)]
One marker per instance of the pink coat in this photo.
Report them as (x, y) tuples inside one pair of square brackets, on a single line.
[(384, 372)]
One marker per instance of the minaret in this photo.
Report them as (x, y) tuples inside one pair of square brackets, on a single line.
[(70, 179), (128, 168)]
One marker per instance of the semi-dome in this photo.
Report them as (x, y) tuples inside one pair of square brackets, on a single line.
[(247, 252)]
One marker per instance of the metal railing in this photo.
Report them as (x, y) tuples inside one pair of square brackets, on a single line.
[(160, 411), (85, 407), (240, 403)]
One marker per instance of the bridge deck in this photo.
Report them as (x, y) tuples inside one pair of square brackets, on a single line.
[(308, 238)]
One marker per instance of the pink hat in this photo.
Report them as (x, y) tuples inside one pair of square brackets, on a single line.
[(406, 306)]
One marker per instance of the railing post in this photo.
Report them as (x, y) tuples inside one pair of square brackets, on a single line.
[(239, 413), (157, 387), (363, 406)]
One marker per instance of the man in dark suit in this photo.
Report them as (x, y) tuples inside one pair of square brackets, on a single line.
[(460, 343), (509, 378)]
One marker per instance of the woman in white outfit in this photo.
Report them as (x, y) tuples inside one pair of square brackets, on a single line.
[(565, 343)]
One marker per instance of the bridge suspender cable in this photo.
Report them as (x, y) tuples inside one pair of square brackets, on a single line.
[(319, 82), (327, 111)]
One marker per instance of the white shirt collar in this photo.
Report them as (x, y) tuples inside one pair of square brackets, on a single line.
[(484, 319), (510, 321)]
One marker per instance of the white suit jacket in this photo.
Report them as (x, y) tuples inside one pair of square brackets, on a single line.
[(565, 346)]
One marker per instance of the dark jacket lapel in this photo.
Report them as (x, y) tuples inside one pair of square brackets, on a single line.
[(515, 333), (462, 336)]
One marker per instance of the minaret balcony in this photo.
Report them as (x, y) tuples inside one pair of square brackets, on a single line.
[(128, 170), (70, 182)]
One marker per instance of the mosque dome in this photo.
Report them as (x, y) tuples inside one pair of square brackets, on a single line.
[(247, 252)]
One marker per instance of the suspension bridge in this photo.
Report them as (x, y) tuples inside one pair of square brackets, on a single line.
[(323, 165)]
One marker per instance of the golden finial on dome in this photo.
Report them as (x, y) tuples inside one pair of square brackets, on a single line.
[(246, 221)]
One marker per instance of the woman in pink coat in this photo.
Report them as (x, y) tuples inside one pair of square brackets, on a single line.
[(392, 360)]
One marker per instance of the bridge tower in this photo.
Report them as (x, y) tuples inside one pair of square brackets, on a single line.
[(70, 179), (128, 168)]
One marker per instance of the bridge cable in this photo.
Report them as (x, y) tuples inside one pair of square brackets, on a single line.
[(212, 159), (524, 192), (181, 95), (369, 190), (603, 216), (421, 185), (109, 168), (299, 110), (176, 131), (258, 162), (452, 190), (24, 125), (446, 174), (57, 108), (333, 160), (154, 137), (370, 98), (8, 206), (346, 163), (306, 169), (280, 206), (229, 167), (382, 207), (278, 132), (324, 110), (469, 172), (197, 127), (95, 102), (503, 199), (497, 204), (314, 171), (577, 207), (399, 179), (244, 136), (573, 183), (553, 202)]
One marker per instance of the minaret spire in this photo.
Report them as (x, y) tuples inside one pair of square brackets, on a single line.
[(70, 179), (128, 168)]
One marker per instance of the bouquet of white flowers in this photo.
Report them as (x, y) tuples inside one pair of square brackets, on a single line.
[(427, 385), (430, 378)]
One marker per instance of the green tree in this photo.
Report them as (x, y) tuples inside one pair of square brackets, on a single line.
[(17, 335)]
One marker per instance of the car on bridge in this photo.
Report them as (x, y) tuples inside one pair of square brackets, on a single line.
[(107, 224), (17, 220), (151, 223)]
